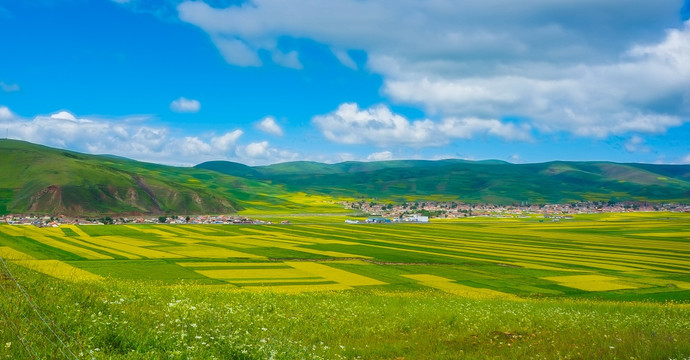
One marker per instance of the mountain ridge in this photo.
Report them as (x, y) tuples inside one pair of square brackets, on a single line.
[(479, 181), (44, 180)]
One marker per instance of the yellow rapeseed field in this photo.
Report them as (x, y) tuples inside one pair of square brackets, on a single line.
[(592, 282), (58, 269), (8, 253), (283, 273), (450, 286), (330, 273), (40, 236)]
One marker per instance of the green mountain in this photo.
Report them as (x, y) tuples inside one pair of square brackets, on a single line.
[(43, 180), (475, 181)]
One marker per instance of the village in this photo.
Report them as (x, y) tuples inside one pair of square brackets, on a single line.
[(372, 213), (56, 221), (452, 210)]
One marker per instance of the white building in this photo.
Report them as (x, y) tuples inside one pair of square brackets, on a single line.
[(417, 218)]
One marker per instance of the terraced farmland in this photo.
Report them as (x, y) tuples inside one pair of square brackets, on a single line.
[(620, 258)]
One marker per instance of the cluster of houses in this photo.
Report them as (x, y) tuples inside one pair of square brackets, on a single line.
[(418, 212), (452, 210), (51, 221)]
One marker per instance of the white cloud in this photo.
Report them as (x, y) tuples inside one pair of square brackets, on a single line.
[(226, 141), (467, 128), (185, 105), (5, 113), (8, 88), (345, 59), (129, 137), (257, 149), (64, 115), (590, 68), (686, 159), (237, 52), (376, 125), (379, 126), (262, 151), (380, 156), (636, 144), (270, 126), (289, 59)]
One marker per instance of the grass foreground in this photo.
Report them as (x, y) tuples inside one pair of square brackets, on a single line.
[(120, 319), (607, 286)]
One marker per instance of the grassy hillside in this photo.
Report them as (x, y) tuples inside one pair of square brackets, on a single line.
[(39, 179), (484, 181), (43, 180)]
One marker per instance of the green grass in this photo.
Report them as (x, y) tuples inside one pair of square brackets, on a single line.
[(168, 308), (123, 319), (162, 271)]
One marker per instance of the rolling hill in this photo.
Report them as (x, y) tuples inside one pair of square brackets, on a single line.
[(42, 180), (476, 181)]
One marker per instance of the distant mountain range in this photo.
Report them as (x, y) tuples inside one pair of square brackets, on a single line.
[(39, 179), (475, 181)]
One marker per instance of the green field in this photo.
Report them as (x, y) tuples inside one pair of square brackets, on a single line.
[(604, 286)]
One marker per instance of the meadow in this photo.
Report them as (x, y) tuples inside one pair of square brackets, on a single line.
[(611, 286)]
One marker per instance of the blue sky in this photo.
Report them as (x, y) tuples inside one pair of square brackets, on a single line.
[(266, 81)]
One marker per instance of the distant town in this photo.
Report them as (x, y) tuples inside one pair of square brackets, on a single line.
[(367, 212), (453, 210)]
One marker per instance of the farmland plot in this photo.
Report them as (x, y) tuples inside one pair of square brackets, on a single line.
[(625, 258)]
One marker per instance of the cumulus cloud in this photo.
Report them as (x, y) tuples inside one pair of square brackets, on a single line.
[(8, 88), (269, 126), (589, 68), (686, 159), (467, 128), (66, 115), (184, 105), (5, 113), (257, 149), (595, 100), (380, 156), (378, 125), (227, 141), (130, 137), (256, 152)]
